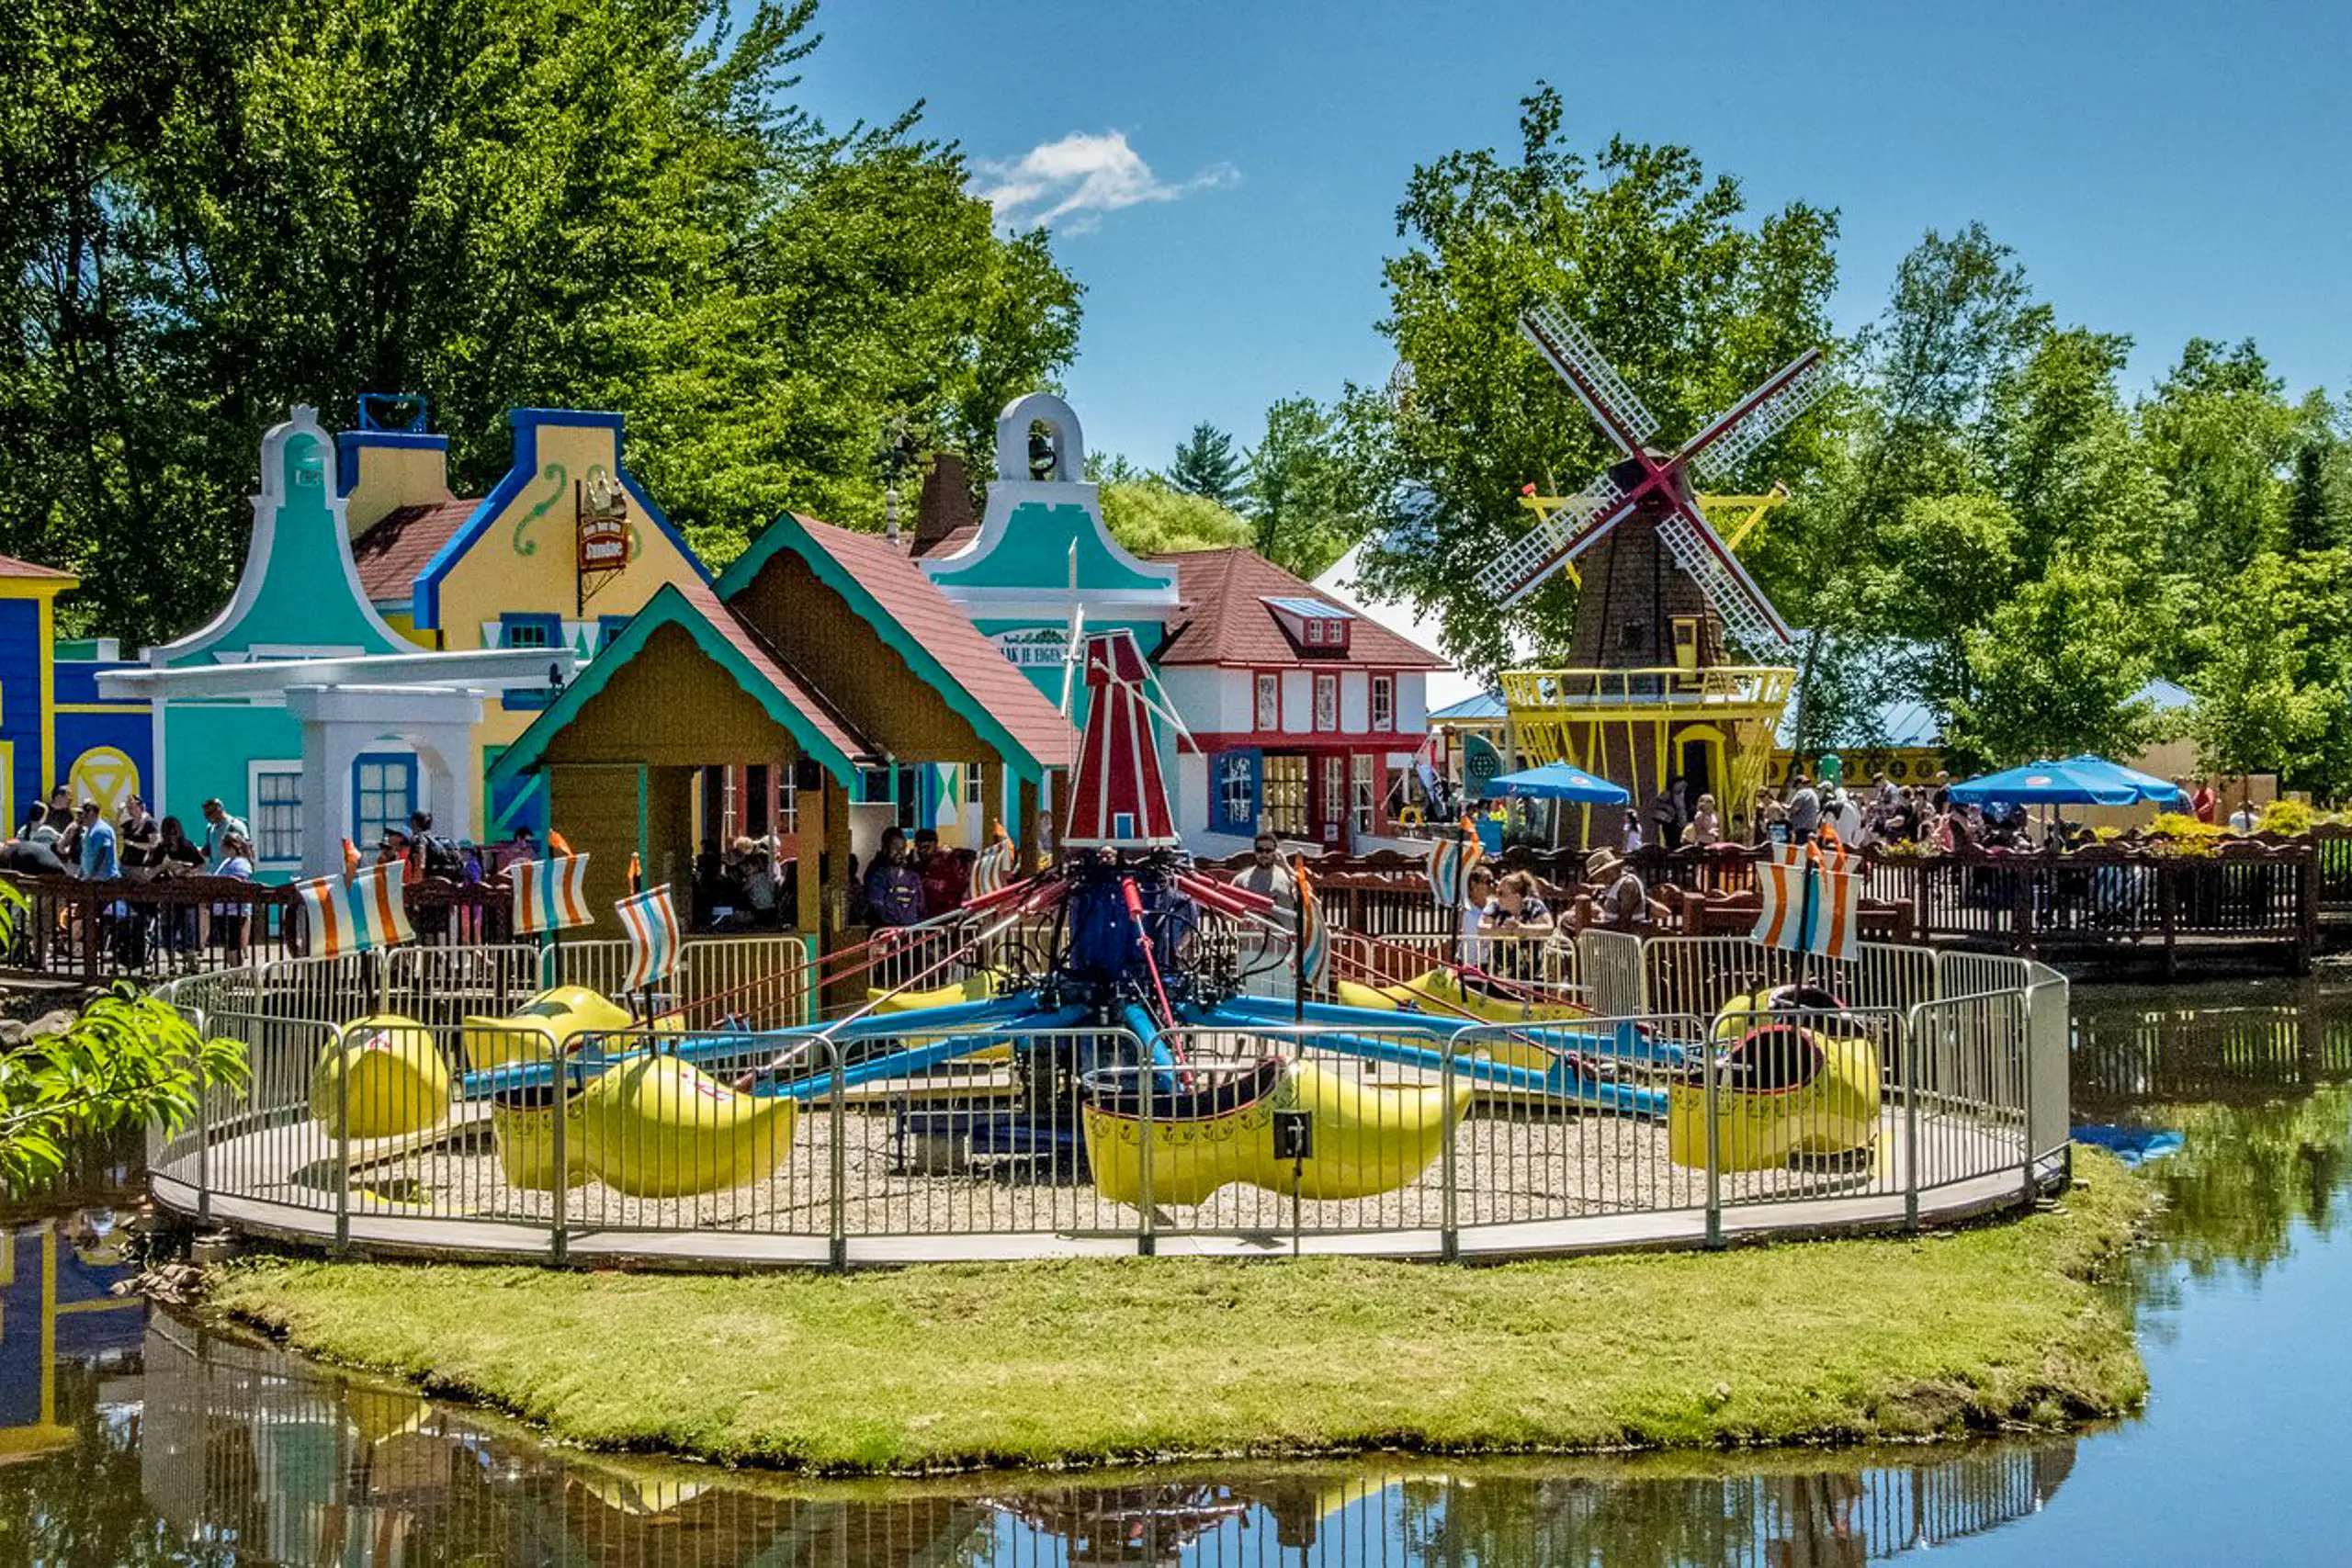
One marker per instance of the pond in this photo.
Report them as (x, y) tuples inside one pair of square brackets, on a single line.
[(128, 1435)]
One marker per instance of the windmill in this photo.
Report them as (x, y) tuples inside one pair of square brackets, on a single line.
[(1656, 487)]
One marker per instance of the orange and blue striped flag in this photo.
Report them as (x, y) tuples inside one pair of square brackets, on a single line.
[(1808, 906), (651, 923), (1314, 936), (1450, 862), (993, 869), (550, 895), (354, 913)]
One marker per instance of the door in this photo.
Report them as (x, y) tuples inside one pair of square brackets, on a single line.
[(1285, 807), (1331, 800)]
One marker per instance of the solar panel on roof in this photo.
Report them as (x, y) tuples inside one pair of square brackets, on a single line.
[(1311, 609)]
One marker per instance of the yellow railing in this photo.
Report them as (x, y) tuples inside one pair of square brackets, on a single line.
[(1716, 686)]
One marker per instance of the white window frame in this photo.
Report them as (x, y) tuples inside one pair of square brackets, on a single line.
[(254, 772), (1362, 791), (1262, 684), (1384, 703), (1326, 714), (972, 783)]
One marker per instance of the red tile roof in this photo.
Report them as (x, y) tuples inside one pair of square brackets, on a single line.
[(932, 620), (774, 668), (402, 543), (11, 567), (1226, 621)]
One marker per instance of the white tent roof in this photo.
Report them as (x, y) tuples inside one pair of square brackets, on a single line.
[(1446, 686)]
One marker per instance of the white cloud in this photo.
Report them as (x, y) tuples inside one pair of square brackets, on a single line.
[(1074, 181)]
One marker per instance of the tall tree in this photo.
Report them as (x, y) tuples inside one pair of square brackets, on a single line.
[(1207, 466), (1308, 497), (233, 205), (1694, 300)]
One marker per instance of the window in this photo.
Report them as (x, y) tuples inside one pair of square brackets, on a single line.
[(1237, 792), (788, 808), (1383, 702), (383, 793), (529, 629), (972, 784), (1284, 811), (1270, 701), (276, 795), (1360, 793), (1326, 702), (1335, 793), (1315, 633), (607, 628)]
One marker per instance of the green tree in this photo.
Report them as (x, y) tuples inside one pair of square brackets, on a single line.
[(2259, 708), (1690, 295), (1149, 518), (2056, 669), (1307, 496), (2222, 433), (216, 207), (1207, 466)]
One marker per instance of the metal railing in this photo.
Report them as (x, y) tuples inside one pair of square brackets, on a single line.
[(409, 1104)]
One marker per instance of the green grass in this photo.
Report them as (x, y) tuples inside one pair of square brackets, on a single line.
[(1083, 1363)]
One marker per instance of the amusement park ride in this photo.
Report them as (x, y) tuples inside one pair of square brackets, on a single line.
[(1652, 691), (1113, 989)]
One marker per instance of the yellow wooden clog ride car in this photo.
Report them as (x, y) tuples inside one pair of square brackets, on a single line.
[(1362, 1138), (658, 1127), (1783, 1090), (385, 1079), (545, 1027)]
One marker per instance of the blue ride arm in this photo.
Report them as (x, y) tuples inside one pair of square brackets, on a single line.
[(918, 1058)]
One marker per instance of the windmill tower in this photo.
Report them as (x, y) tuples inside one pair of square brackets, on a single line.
[(1663, 603)]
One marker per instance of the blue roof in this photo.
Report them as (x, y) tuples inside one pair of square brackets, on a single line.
[(1484, 704), (1311, 609)]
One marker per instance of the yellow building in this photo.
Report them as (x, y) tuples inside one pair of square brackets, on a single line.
[(560, 554)]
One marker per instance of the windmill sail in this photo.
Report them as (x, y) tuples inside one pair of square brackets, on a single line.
[(1590, 375), (1748, 617), (1558, 535)]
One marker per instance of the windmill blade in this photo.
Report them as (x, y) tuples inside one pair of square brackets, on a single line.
[(1748, 616), (1716, 452), (1560, 535), (1590, 375)]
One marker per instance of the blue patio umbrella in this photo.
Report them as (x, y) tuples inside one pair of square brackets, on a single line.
[(1557, 781), (2156, 791), (2047, 784)]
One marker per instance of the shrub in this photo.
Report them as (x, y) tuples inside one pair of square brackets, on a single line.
[(2289, 819)]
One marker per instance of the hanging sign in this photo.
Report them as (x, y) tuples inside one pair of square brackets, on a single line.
[(604, 523)]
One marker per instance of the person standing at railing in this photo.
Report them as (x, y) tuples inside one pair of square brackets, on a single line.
[(1265, 952), (1804, 810), (138, 834), (1706, 823), (1477, 890), (1516, 923), (228, 919), (893, 888), (2205, 806), (218, 828)]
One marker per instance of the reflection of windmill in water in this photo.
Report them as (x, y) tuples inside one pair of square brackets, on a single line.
[(1652, 690)]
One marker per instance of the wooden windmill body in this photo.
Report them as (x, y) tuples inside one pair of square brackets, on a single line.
[(1678, 662)]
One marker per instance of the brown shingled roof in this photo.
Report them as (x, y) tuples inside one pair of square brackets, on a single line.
[(778, 671), (932, 620), (11, 567), (402, 543), (1226, 620)]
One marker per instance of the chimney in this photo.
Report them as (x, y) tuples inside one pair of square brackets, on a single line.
[(391, 461), (947, 503)]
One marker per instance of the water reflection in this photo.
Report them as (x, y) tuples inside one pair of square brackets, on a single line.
[(142, 1439), (2259, 1082), (181, 1446)]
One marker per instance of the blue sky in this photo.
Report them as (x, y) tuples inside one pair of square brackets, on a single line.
[(1224, 178)]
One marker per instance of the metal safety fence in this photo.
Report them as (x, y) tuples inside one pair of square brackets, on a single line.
[(424, 1104)]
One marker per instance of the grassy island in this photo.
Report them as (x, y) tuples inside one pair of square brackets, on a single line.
[(1096, 1362)]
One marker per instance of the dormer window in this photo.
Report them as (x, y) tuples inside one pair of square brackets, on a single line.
[(1313, 626)]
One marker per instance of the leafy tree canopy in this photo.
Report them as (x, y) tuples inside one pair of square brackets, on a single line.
[(213, 209)]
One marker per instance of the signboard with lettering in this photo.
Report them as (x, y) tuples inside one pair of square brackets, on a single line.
[(603, 524), (1033, 648)]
